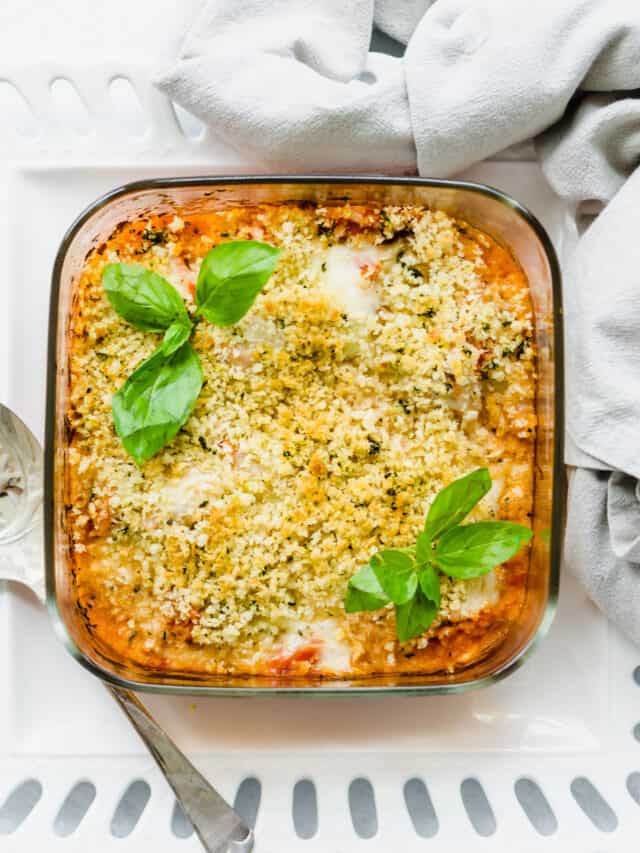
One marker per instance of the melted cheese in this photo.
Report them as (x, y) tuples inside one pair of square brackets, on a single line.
[(349, 278), (183, 495), (333, 651), (335, 654)]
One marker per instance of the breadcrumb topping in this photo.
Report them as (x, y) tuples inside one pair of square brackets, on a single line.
[(390, 353)]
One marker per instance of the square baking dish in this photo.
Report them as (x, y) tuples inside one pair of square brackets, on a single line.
[(490, 210)]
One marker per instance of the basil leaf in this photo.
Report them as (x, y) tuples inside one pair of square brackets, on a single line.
[(156, 401), (396, 573), (474, 549), (424, 551), (455, 502), (429, 581), (231, 277), (414, 617), (176, 335), (143, 298), (364, 592)]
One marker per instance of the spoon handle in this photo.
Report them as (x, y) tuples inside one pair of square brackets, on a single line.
[(217, 825)]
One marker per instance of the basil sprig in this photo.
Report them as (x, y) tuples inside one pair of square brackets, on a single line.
[(157, 399), (472, 550), (176, 335), (454, 503), (414, 616), (231, 277), (409, 578), (142, 297)]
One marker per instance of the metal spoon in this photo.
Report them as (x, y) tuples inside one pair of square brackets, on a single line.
[(217, 825)]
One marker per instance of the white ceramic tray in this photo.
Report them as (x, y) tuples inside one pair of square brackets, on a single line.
[(520, 763)]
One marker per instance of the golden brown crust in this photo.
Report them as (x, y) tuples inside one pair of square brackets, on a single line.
[(327, 424)]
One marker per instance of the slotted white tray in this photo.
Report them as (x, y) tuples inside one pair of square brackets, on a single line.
[(548, 760)]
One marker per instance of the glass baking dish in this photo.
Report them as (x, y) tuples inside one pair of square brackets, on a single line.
[(490, 210)]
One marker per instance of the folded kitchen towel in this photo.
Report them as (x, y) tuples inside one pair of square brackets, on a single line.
[(603, 542), (484, 74), (292, 84), (602, 329)]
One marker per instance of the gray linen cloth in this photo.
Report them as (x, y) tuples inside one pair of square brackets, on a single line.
[(292, 84), (602, 330)]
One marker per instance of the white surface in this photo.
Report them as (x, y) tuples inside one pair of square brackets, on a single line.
[(572, 712), (569, 712), (54, 31)]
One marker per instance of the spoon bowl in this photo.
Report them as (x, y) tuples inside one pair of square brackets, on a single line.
[(21, 466)]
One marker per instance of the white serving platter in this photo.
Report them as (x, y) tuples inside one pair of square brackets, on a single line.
[(566, 720)]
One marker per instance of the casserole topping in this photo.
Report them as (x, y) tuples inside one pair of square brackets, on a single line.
[(389, 353), (158, 397), (409, 578)]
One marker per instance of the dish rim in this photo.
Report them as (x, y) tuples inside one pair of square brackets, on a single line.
[(331, 689)]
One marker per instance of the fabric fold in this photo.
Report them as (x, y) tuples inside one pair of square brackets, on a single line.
[(487, 74), (611, 580), (296, 90), (602, 331)]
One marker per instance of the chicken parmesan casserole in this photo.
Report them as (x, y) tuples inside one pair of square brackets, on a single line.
[(390, 353)]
